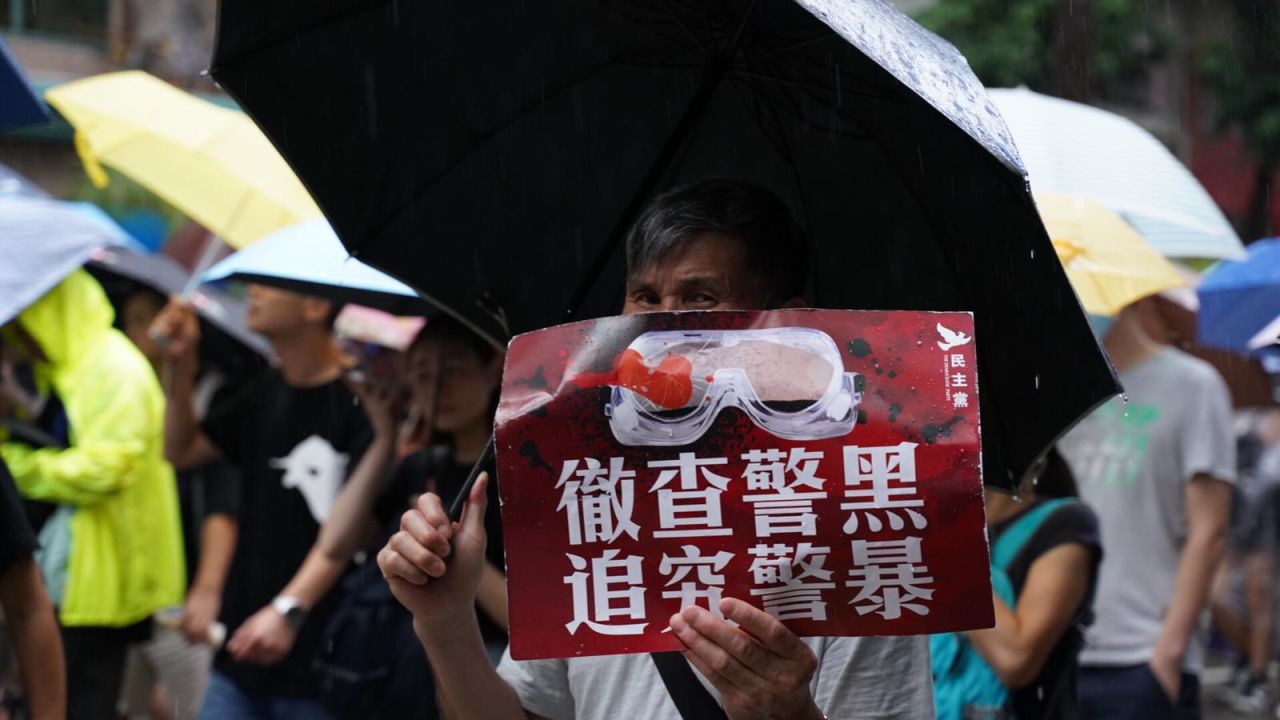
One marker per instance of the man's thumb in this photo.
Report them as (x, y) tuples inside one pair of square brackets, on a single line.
[(477, 505)]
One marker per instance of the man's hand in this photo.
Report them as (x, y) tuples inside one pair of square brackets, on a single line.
[(265, 638), (761, 669), (1166, 666), (199, 613), (414, 560), (177, 329)]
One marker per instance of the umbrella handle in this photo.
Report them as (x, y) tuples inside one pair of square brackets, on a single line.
[(484, 463), (208, 256)]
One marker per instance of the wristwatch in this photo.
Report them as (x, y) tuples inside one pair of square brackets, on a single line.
[(291, 609)]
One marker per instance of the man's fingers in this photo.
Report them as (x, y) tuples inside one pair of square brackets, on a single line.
[(771, 634), (714, 656), (429, 536), (717, 680), (744, 648), (433, 511), (395, 567), (420, 557)]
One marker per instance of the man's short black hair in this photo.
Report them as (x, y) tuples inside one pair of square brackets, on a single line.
[(775, 247)]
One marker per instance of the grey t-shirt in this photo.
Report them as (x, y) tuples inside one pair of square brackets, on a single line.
[(872, 677), (1132, 462)]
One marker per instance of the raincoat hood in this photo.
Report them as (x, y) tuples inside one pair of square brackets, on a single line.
[(69, 320), (124, 535)]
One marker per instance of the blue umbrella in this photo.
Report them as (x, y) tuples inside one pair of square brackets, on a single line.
[(19, 104), (1239, 299), (42, 240), (308, 258)]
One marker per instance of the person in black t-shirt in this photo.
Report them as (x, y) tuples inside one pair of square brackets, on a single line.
[(295, 433), (28, 613), (1033, 646)]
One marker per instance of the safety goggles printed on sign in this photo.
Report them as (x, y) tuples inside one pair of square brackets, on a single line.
[(791, 382)]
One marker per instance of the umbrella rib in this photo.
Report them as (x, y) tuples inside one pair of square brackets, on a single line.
[(634, 17), (706, 52), (799, 45), (811, 87)]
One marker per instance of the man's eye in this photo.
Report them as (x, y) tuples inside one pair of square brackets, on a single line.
[(645, 298), (702, 299)]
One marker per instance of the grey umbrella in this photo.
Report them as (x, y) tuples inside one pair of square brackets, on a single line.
[(167, 276)]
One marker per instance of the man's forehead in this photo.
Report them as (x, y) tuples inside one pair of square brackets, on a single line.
[(706, 256)]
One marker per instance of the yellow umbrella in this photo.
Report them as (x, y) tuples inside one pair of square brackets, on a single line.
[(210, 162), (1109, 264)]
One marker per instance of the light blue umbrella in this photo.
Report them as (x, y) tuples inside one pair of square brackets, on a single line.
[(19, 104), (308, 258), (42, 241), (1240, 301)]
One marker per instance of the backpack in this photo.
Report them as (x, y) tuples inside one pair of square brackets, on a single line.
[(964, 686), (370, 664)]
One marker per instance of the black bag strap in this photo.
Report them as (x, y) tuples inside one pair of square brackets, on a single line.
[(690, 696)]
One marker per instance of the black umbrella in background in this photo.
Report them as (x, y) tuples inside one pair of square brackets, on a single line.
[(492, 155)]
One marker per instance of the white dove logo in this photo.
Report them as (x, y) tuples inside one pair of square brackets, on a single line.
[(316, 470), (951, 338)]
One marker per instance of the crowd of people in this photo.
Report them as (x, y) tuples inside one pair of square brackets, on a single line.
[(203, 534)]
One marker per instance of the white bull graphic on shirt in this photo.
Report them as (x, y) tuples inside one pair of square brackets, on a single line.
[(316, 470)]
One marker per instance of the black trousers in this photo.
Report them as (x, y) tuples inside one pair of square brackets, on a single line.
[(95, 658)]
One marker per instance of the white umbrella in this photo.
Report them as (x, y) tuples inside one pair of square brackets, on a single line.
[(1076, 149)]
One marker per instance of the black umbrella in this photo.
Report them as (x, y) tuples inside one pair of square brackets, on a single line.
[(493, 154)]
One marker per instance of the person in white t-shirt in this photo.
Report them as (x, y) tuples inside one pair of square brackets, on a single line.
[(710, 245)]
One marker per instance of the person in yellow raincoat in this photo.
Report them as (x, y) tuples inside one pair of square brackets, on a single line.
[(112, 552)]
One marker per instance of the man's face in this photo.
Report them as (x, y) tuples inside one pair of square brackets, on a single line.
[(137, 314), (707, 272), (273, 312)]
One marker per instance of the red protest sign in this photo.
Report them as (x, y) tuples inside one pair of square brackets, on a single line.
[(823, 465)]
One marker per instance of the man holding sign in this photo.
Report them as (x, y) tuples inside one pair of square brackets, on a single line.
[(713, 245)]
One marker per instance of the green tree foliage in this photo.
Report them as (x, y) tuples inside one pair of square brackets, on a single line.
[(1011, 42), (1245, 77)]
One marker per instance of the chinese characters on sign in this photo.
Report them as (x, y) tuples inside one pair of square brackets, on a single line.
[(839, 515)]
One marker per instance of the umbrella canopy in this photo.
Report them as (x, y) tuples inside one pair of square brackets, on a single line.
[(493, 156), (1085, 151), (42, 241), (19, 104), (1108, 262), (1240, 299), (168, 277), (210, 162), (308, 258)]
